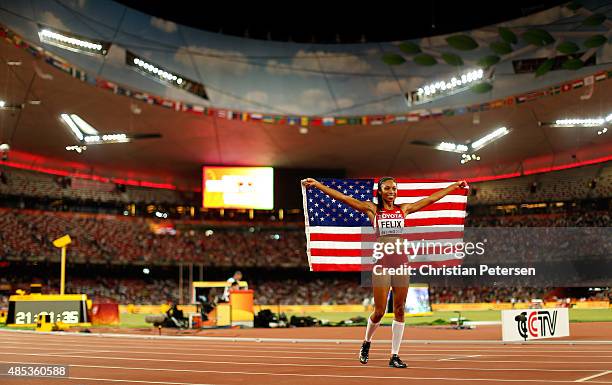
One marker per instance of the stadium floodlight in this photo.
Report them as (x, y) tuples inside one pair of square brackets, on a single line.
[(163, 75), (108, 138), (466, 151), (78, 149), (465, 158), (85, 127), (598, 121), (86, 134), (452, 147), (73, 127), (72, 42), (2, 103), (594, 122), (489, 138), (446, 87)]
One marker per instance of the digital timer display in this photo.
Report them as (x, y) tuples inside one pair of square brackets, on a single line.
[(69, 309)]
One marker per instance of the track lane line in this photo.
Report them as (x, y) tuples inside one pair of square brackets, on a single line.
[(293, 347), (306, 340), (306, 375), (593, 376), (470, 368), (290, 350), (455, 358)]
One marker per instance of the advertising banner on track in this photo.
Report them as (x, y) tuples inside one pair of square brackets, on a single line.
[(534, 324)]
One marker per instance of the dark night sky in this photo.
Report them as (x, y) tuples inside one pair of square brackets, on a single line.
[(309, 22)]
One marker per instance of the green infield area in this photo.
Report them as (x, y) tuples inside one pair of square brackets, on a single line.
[(437, 318)]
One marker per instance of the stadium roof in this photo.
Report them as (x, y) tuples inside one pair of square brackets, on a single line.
[(565, 42), (191, 140)]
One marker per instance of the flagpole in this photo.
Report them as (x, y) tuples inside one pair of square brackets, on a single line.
[(63, 273), (62, 243)]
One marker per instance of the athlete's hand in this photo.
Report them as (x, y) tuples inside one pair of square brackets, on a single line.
[(309, 182), (462, 184)]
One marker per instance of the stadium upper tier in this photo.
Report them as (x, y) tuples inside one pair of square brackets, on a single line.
[(35, 184), (585, 182), (572, 184)]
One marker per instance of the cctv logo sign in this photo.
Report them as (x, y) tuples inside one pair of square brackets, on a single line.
[(532, 324), (536, 323)]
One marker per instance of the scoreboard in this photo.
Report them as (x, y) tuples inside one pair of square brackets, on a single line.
[(238, 187), (70, 309)]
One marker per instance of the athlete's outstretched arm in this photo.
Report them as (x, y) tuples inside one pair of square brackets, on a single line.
[(363, 206), (408, 208)]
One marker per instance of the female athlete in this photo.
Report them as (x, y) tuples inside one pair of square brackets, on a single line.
[(388, 220)]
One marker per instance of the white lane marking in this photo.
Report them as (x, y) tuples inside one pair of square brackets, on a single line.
[(306, 340), (250, 349), (456, 358), (593, 376), (262, 346), (137, 381), (469, 368), (298, 375)]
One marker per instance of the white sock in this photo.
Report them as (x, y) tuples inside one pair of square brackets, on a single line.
[(397, 332), (370, 329)]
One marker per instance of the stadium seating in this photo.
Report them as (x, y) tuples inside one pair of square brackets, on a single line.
[(35, 184), (227, 243), (27, 234), (565, 185)]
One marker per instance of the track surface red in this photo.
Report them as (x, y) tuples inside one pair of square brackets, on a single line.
[(183, 361)]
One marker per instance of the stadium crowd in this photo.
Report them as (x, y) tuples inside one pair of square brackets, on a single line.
[(560, 231), (334, 291), (28, 235)]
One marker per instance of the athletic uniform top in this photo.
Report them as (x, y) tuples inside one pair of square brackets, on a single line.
[(389, 222)]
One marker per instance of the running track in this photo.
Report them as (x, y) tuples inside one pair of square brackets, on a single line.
[(115, 360)]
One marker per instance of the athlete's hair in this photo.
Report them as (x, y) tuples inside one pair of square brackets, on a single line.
[(379, 202)]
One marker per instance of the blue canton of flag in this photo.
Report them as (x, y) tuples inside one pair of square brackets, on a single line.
[(325, 211)]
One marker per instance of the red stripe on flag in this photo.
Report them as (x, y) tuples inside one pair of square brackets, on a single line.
[(427, 192), (424, 181), (434, 221), (336, 267), (426, 249), (336, 237), (359, 267), (372, 237), (339, 252)]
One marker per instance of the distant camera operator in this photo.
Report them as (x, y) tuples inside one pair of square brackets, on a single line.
[(227, 293), (208, 303), (236, 278), (175, 316)]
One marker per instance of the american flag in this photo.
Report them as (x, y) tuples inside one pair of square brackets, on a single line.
[(339, 238)]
